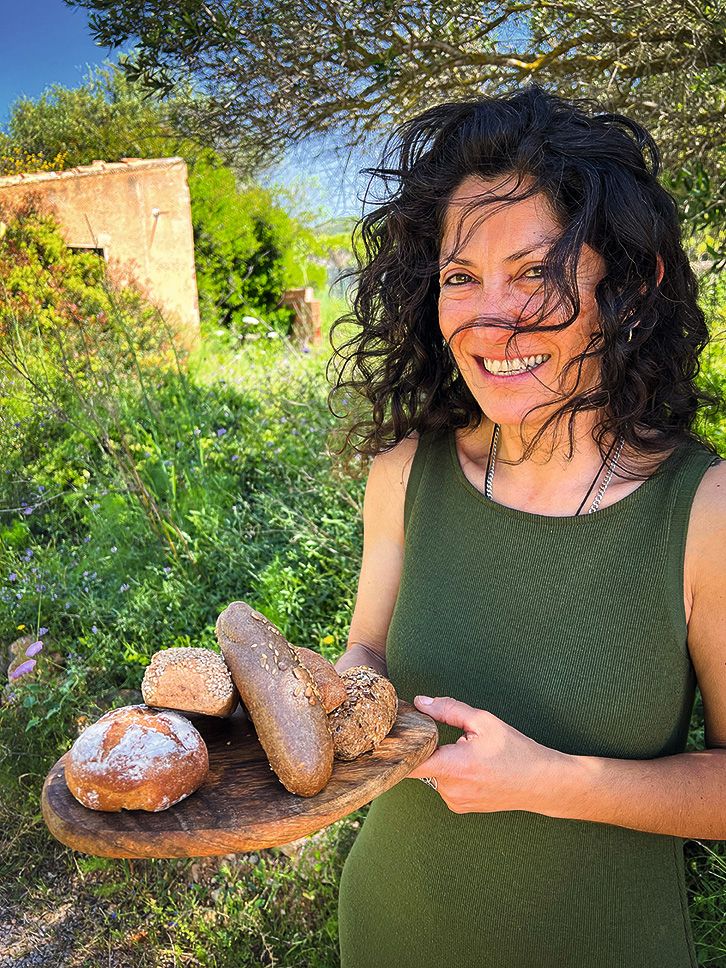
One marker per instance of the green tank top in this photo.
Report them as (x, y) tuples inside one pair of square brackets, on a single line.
[(572, 630)]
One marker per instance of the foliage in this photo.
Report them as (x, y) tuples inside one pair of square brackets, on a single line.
[(247, 250), (109, 116), (271, 74)]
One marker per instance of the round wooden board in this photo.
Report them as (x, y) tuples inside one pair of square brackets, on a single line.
[(241, 805)]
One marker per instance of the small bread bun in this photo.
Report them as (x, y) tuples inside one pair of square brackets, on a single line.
[(330, 686), (190, 680), (136, 758), (367, 716)]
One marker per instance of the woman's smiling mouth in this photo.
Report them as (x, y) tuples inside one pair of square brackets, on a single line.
[(508, 369)]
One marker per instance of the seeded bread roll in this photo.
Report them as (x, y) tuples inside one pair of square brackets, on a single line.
[(330, 686), (281, 698), (136, 758), (190, 680), (367, 716)]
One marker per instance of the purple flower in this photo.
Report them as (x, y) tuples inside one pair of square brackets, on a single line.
[(41, 488), (24, 667), (42, 630), (87, 539), (94, 629), (95, 507), (28, 554), (34, 649), (167, 569), (28, 511), (12, 576), (222, 430), (235, 456)]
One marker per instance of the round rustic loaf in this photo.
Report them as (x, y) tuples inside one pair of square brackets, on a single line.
[(366, 717), (191, 680), (136, 758)]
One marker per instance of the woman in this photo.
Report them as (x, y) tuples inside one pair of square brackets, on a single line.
[(543, 547)]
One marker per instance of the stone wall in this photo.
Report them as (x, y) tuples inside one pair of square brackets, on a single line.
[(137, 213)]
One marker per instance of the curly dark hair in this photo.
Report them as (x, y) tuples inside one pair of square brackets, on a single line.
[(396, 373)]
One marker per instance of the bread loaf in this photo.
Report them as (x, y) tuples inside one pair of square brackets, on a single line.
[(136, 758), (366, 717), (329, 684), (281, 698), (191, 680)]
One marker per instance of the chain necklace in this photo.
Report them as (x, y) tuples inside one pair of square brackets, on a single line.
[(603, 487)]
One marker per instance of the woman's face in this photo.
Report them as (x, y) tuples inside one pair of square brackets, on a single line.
[(497, 273)]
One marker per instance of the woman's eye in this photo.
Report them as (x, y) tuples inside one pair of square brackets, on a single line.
[(456, 275), (538, 269)]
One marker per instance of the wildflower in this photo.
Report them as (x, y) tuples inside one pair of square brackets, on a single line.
[(235, 456), (114, 549), (95, 507), (24, 667), (41, 488), (21, 628), (221, 431), (87, 539), (328, 640), (197, 431), (167, 569), (28, 554), (94, 629), (42, 630), (28, 511), (125, 587), (12, 576), (34, 649)]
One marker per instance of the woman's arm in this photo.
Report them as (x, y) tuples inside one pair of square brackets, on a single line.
[(382, 561)]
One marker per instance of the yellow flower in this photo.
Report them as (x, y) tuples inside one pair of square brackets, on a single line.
[(20, 628), (328, 640)]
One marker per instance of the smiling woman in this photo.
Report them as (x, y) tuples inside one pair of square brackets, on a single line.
[(543, 545)]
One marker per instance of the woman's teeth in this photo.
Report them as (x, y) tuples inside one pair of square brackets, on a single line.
[(508, 367)]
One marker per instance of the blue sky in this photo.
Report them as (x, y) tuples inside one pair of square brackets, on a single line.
[(45, 42)]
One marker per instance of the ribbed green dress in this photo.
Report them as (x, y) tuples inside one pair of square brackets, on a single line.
[(573, 630)]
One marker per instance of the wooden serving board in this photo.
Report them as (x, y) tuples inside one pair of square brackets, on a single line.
[(241, 806)]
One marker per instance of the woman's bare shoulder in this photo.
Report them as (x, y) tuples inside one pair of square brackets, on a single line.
[(394, 465)]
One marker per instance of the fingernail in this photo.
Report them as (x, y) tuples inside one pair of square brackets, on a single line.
[(424, 700)]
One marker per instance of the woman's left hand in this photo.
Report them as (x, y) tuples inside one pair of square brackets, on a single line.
[(492, 766)]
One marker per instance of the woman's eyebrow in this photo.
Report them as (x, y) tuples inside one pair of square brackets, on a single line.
[(514, 257)]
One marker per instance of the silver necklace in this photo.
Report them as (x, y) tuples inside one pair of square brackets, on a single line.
[(603, 487)]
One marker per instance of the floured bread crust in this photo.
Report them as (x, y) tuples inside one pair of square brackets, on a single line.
[(136, 758)]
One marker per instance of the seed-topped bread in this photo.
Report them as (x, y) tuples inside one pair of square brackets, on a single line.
[(366, 717), (191, 680)]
